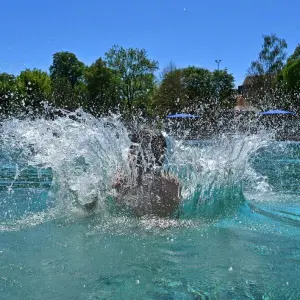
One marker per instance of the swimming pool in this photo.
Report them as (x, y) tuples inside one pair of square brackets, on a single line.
[(237, 236)]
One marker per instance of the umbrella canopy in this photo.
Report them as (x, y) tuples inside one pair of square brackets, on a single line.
[(277, 112), (182, 116)]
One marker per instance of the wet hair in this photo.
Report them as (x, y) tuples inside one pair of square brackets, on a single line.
[(149, 147)]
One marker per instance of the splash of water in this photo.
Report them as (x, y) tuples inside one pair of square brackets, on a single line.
[(214, 171), (84, 155)]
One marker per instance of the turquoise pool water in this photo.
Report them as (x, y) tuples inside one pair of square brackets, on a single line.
[(238, 235)]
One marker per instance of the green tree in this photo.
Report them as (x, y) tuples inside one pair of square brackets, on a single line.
[(8, 94), (223, 83), (136, 74), (102, 86), (295, 55), (291, 79), (169, 95), (167, 69), (63, 95), (291, 74), (193, 90), (66, 73), (66, 65), (265, 91), (198, 89), (35, 88), (271, 58)]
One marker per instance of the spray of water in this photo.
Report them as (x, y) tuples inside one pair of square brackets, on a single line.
[(84, 156), (214, 171)]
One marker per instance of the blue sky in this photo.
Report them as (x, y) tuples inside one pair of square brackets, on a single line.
[(187, 32)]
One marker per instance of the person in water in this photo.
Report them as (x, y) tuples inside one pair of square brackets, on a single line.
[(147, 190)]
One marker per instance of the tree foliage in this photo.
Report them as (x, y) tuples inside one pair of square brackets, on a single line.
[(8, 93), (193, 90), (35, 89), (34, 84), (291, 74), (124, 81), (66, 73), (136, 74), (102, 86), (63, 94), (263, 89), (223, 87), (271, 58), (169, 95), (167, 69), (295, 55), (66, 65)]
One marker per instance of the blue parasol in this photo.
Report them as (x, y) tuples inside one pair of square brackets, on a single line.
[(182, 116), (277, 112)]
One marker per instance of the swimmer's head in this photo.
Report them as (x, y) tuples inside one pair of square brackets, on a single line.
[(149, 147), (240, 100)]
